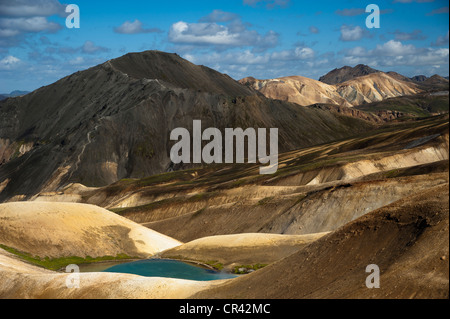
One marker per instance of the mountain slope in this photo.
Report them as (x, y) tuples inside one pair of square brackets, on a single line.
[(297, 89), (374, 87), (408, 240), (419, 105), (67, 235), (113, 121)]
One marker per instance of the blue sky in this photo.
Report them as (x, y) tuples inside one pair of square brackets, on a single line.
[(260, 38)]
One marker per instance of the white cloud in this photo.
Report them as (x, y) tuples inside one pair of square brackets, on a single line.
[(390, 48), (220, 31), (394, 48), (296, 54), (89, 47), (394, 53), (8, 33), (134, 27), (30, 8), (77, 61), (21, 17), (248, 58), (202, 33), (239, 64), (349, 33), (9, 62), (304, 53), (430, 57), (15, 26), (233, 35), (357, 51), (245, 57)]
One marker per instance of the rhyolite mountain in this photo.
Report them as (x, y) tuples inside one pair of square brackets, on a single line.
[(113, 121), (359, 90), (348, 73)]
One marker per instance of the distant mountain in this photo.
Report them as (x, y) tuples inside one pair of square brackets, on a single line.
[(297, 89), (419, 105), (13, 94), (346, 73), (419, 78), (363, 89), (113, 121), (433, 83)]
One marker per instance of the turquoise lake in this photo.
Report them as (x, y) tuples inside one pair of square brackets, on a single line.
[(169, 269)]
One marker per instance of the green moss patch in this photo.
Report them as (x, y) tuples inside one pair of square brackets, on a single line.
[(245, 269), (59, 263)]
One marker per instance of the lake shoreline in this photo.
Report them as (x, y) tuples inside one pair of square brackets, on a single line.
[(101, 266)]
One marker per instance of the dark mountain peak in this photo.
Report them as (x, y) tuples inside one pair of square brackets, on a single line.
[(365, 68), (419, 78), (173, 69), (347, 73)]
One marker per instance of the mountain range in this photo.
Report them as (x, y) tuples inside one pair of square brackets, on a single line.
[(346, 86), (86, 177), (346, 73), (113, 121)]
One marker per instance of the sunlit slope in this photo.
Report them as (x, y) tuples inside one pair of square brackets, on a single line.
[(56, 230), (360, 90)]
